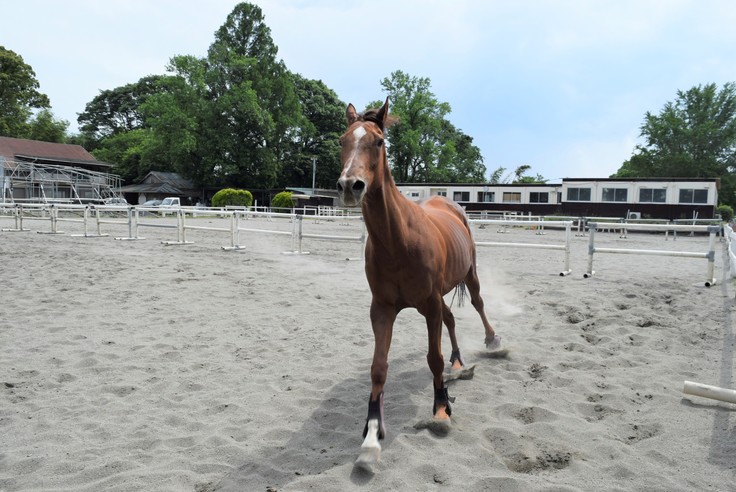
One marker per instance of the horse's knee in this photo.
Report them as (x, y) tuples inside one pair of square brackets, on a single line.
[(435, 361), (477, 302), (448, 318), (379, 371)]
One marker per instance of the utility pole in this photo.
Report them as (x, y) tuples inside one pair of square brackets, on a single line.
[(314, 172)]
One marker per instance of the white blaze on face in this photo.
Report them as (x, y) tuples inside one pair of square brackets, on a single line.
[(358, 134)]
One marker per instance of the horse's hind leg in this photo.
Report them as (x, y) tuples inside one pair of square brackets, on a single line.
[(447, 317), (493, 341)]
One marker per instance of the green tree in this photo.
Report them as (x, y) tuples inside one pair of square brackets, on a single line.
[(112, 127), (694, 136), (183, 135), (424, 146), (124, 150), (19, 95), (117, 110), (518, 176), (256, 99), (316, 141), (458, 161), (43, 126)]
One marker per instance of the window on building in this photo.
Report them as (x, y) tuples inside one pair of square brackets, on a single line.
[(486, 197), (461, 196), (414, 194), (538, 197), (615, 194), (578, 194), (652, 195), (693, 196), (441, 193), (511, 197)]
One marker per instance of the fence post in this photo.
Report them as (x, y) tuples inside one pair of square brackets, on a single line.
[(591, 249), (53, 214), (568, 239), (710, 279)]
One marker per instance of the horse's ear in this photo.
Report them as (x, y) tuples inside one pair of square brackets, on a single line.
[(383, 114), (386, 120), (352, 114)]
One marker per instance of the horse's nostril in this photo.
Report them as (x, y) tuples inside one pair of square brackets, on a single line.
[(358, 186)]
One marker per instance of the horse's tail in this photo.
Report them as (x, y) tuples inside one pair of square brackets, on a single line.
[(460, 292)]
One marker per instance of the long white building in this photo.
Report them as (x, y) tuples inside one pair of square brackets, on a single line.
[(661, 198)]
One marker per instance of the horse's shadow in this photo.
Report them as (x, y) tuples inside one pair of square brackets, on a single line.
[(332, 434)]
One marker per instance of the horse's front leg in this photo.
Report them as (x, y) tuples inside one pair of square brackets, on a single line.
[(382, 319), (433, 313)]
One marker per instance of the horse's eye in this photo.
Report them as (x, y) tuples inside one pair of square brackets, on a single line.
[(379, 142)]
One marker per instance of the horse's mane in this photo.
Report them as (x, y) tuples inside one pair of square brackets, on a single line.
[(372, 116)]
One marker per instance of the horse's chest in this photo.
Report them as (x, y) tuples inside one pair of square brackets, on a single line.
[(403, 282)]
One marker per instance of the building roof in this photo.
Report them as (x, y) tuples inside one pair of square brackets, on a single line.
[(20, 149), (163, 183)]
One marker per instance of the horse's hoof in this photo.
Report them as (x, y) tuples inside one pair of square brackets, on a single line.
[(368, 457), (493, 344), (438, 427), (462, 373)]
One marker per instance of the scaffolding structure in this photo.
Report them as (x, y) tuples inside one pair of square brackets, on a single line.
[(31, 182)]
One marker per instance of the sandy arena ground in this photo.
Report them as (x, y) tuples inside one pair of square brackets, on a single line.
[(130, 365)]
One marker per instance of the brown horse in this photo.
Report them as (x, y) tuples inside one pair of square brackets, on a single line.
[(415, 254)]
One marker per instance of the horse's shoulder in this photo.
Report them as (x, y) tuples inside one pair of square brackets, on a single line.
[(439, 206)]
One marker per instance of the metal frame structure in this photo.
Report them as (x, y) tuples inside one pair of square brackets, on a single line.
[(53, 183)]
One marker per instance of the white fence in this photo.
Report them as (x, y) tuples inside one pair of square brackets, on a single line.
[(92, 217), (708, 255), (731, 239), (180, 221), (540, 224)]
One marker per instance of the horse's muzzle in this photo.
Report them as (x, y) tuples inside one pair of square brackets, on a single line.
[(350, 190)]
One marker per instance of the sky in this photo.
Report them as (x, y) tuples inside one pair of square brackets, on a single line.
[(562, 86)]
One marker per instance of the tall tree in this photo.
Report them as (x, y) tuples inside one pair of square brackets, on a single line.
[(19, 95), (424, 146), (316, 142), (183, 134), (694, 136), (257, 98)]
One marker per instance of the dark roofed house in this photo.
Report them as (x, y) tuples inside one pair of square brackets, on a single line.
[(159, 185), (35, 171)]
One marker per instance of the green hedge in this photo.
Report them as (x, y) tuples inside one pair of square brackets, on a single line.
[(231, 196), (726, 212), (283, 200)]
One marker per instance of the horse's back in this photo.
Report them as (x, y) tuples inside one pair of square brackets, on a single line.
[(439, 208), (451, 222)]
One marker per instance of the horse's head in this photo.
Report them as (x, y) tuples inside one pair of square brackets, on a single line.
[(363, 154)]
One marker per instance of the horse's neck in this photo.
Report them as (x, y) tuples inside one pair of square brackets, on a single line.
[(385, 213)]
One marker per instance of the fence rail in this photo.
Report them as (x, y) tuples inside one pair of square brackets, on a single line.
[(708, 255)]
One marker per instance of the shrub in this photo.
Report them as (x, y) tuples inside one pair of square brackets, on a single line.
[(726, 212), (230, 196), (283, 200)]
